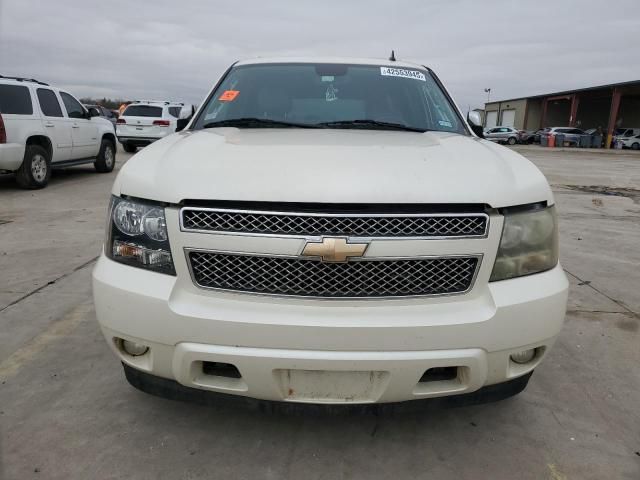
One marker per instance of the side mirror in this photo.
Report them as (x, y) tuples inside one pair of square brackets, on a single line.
[(93, 112), (475, 121), (182, 123)]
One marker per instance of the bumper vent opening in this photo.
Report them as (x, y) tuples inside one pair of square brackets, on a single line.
[(219, 369), (439, 374)]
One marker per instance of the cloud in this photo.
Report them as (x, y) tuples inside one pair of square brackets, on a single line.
[(177, 50)]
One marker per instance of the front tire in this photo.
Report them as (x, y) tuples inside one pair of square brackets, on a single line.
[(35, 170), (106, 159), (512, 140), (129, 148), (635, 146)]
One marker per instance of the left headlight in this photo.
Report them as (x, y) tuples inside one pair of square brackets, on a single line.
[(529, 244), (137, 235)]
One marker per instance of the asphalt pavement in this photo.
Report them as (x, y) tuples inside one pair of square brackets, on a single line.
[(66, 411)]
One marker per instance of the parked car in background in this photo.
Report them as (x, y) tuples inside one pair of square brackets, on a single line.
[(626, 132), (632, 142), (530, 136), (278, 249), (104, 113), (571, 135), (43, 127), (503, 135), (143, 122)]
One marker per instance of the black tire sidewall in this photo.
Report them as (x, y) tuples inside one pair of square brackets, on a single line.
[(100, 163), (24, 176), (635, 146), (512, 141)]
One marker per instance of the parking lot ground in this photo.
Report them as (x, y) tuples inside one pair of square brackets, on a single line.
[(66, 411)]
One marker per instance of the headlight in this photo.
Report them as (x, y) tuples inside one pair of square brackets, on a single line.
[(529, 244), (137, 235)]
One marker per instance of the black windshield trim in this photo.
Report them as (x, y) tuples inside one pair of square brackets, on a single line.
[(254, 122)]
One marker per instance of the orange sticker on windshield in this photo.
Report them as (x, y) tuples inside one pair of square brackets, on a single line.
[(229, 95)]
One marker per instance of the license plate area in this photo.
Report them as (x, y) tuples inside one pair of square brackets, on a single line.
[(330, 386)]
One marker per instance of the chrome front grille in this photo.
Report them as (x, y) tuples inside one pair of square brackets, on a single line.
[(379, 277), (351, 225)]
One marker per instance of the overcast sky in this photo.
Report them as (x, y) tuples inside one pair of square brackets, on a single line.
[(176, 49)]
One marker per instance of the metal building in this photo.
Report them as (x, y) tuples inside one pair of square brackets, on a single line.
[(605, 106)]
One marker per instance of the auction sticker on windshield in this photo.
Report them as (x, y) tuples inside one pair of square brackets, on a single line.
[(229, 96), (401, 72)]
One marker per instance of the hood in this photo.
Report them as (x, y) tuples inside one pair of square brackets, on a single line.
[(331, 166)]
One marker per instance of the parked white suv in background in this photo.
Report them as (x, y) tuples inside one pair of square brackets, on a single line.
[(43, 127), (144, 122), (330, 231)]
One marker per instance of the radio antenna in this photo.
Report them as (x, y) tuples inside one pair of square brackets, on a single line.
[(392, 58)]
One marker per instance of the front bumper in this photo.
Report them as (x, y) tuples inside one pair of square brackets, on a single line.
[(320, 351)]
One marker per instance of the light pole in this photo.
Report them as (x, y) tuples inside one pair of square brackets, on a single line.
[(488, 92)]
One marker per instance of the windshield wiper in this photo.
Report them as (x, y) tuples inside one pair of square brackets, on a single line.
[(254, 122), (370, 124)]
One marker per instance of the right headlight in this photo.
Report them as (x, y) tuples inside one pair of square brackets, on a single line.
[(529, 244), (137, 235)]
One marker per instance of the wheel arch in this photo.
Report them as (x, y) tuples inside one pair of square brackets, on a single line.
[(109, 136), (42, 141)]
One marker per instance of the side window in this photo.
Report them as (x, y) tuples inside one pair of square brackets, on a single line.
[(49, 103), (15, 100), (175, 111), (73, 107)]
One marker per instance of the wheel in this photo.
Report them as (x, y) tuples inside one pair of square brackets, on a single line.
[(512, 140), (106, 159), (129, 148), (635, 146), (35, 170)]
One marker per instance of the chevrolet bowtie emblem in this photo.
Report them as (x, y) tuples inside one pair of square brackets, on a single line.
[(334, 249)]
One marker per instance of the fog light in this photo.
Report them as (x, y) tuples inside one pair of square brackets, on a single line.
[(134, 349), (524, 356)]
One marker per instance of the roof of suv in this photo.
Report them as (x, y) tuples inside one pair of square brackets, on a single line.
[(21, 81), (338, 60)]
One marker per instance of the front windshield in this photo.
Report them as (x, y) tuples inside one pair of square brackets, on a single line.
[(330, 96)]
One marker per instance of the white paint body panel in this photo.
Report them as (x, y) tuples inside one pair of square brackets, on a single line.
[(331, 166)]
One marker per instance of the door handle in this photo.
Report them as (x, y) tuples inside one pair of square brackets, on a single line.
[(75, 125), (49, 124)]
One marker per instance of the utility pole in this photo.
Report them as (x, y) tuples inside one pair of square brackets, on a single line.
[(488, 92)]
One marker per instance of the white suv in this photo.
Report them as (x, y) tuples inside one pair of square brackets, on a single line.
[(330, 231), (43, 127), (144, 122)]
